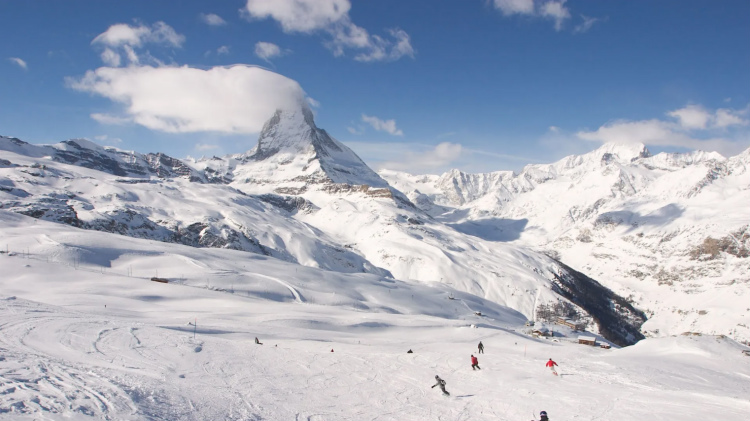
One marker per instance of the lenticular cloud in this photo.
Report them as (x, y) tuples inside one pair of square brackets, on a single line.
[(237, 99)]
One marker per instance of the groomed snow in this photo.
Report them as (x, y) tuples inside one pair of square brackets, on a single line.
[(85, 335)]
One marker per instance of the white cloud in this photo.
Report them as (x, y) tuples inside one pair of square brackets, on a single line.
[(237, 99), (417, 158), (377, 48), (402, 46), (556, 11), (388, 126), (313, 103), (549, 9), (441, 156), (212, 19), (332, 17), (110, 119), (128, 38), (205, 147), (224, 49), (131, 54), (410, 157), (697, 117), (654, 132), (695, 128), (110, 57), (510, 7), (18, 62), (587, 23), (267, 50), (300, 15), (725, 117), (105, 138), (121, 34), (356, 130), (691, 117)]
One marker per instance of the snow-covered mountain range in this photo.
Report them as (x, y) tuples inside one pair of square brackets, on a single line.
[(299, 243), (668, 231), (302, 197)]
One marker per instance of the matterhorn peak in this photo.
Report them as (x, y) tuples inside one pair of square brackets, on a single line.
[(292, 131), (292, 147)]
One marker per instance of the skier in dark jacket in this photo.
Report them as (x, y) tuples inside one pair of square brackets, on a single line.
[(441, 383), (474, 363), (543, 416), (480, 347)]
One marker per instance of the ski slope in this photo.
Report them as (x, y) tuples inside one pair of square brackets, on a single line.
[(85, 335)]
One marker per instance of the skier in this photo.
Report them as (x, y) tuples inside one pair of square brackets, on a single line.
[(474, 363), (410, 352), (551, 364), (441, 383), (257, 342), (481, 347), (543, 416)]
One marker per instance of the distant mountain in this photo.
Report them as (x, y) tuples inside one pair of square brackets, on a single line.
[(668, 231), (303, 197)]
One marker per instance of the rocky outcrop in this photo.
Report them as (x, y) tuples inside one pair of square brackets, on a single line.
[(617, 319)]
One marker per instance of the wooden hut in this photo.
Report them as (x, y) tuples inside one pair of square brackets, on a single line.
[(541, 331), (571, 323), (587, 340)]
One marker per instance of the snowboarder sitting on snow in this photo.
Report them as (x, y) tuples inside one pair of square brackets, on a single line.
[(480, 347), (474, 363), (257, 342), (441, 383), (551, 364), (410, 352)]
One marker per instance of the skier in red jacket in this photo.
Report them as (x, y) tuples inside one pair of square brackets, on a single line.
[(474, 363), (551, 364)]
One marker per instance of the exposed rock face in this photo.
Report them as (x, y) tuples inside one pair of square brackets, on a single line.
[(617, 319)]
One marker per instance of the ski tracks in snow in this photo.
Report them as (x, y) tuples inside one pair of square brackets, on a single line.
[(65, 365), (297, 297)]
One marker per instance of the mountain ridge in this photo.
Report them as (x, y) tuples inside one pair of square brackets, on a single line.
[(637, 222), (280, 208)]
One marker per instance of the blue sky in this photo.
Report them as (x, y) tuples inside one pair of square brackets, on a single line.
[(421, 86)]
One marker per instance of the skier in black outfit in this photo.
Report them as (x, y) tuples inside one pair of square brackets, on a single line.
[(543, 416), (480, 347), (441, 383)]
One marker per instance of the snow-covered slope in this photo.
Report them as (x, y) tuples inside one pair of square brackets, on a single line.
[(668, 231), (302, 197), (85, 335)]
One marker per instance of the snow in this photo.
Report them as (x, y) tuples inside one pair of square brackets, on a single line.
[(347, 231), (628, 219), (300, 244), (85, 335)]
